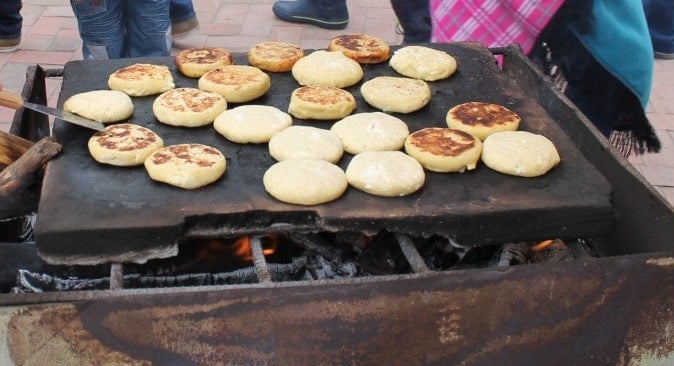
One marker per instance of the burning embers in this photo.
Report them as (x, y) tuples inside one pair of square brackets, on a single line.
[(300, 257), (215, 255)]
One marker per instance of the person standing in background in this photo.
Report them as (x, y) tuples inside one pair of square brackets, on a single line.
[(328, 14), (113, 29), (660, 19), (10, 25), (581, 44), (586, 43), (414, 17), (183, 18)]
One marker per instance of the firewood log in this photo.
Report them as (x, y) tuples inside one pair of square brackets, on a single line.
[(11, 148), (20, 174)]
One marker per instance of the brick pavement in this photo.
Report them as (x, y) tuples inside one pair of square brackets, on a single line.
[(50, 39)]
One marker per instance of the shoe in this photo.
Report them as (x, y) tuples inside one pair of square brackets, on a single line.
[(321, 13), (664, 55), (185, 27), (9, 44), (191, 40)]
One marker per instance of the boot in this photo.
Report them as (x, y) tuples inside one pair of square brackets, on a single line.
[(329, 14)]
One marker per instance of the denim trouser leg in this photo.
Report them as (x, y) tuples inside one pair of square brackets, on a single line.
[(660, 16), (415, 18), (122, 28), (101, 27), (10, 18), (148, 28), (181, 10)]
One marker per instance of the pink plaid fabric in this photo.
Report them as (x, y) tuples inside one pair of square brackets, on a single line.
[(493, 23)]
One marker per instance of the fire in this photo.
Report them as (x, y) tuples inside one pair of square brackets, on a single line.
[(243, 251), (268, 251), (269, 246), (241, 248), (542, 245)]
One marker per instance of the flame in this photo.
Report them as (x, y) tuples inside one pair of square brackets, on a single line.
[(242, 250), (269, 246), (542, 245)]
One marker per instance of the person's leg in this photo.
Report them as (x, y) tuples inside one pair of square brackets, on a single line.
[(660, 18), (330, 14), (183, 17), (415, 18), (148, 28), (10, 25), (101, 27)]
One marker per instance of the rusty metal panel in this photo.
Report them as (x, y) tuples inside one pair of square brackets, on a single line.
[(644, 219), (615, 311), (29, 124)]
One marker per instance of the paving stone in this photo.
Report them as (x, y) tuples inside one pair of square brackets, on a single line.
[(663, 158), (46, 26), (659, 175), (59, 11)]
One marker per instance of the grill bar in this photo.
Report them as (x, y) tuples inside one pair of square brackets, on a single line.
[(259, 261), (116, 276), (411, 254)]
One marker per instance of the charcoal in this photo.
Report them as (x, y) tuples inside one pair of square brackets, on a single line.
[(28, 282), (34, 282), (513, 254), (381, 257), (320, 268)]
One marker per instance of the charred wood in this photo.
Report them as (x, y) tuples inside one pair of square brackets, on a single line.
[(11, 148), (381, 257), (358, 241), (514, 253), (321, 268), (556, 251), (21, 172), (580, 249), (314, 243), (35, 282)]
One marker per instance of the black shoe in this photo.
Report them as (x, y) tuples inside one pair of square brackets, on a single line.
[(10, 44), (664, 55), (314, 12)]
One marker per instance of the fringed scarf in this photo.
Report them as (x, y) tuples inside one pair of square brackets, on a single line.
[(580, 32)]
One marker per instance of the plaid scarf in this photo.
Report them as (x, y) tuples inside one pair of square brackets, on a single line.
[(494, 23)]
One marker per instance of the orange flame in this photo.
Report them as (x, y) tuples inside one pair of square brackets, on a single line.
[(269, 246), (242, 250), (542, 245)]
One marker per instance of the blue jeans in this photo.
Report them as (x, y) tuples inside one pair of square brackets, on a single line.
[(123, 28), (181, 10), (660, 17), (10, 18), (415, 18)]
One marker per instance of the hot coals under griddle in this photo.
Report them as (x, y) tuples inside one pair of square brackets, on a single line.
[(295, 257)]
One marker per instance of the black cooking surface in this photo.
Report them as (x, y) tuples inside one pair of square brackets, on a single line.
[(90, 210)]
